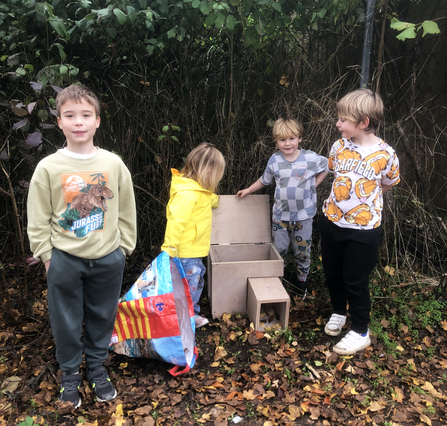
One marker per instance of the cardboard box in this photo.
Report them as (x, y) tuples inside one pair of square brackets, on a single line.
[(241, 248)]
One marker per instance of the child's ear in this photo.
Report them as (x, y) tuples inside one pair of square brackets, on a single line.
[(364, 123)]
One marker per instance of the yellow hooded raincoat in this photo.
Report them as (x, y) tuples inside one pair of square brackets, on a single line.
[(188, 231)]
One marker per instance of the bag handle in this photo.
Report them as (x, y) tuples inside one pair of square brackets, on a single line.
[(174, 371)]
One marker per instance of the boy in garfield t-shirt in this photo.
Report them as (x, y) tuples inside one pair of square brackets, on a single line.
[(364, 167)]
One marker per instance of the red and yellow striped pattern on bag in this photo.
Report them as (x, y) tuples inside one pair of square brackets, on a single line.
[(132, 320)]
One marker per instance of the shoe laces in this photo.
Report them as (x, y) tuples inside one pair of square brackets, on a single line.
[(70, 385), (101, 380)]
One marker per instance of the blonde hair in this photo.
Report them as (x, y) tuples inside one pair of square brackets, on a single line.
[(285, 128), (77, 93), (361, 104), (206, 165)]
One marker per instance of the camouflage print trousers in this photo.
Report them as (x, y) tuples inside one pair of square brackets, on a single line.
[(299, 234)]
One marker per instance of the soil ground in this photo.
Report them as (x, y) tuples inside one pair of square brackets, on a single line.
[(244, 377)]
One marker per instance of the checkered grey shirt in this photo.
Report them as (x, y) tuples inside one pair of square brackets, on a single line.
[(295, 193)]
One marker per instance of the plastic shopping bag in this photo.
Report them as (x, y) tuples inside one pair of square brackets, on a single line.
[(155, 317)]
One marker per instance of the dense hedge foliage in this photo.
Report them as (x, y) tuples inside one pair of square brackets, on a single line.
[(172, 74)]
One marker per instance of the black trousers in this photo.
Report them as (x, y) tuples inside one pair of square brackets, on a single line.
[(349, 256), (83, 294)]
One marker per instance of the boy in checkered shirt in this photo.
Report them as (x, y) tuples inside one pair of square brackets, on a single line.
[(297, 173)]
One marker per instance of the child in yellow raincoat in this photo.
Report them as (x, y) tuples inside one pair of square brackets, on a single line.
[(188, 230)]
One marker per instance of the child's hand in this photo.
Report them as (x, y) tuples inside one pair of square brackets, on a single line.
[(242, 193)]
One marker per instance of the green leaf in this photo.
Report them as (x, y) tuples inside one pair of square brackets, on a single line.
[(174, 138), (102, 13), (205, 7), (21, 71), (111, 32), (277, 6), (29, 67), (165, 128), (398, 25), (131, 13), (161, 137), (408, 33), (74, 71), (220, 20), (322, 13), (43, 8), (195, 4), (120, 15), (62, 53), (58, 25), (63, 69), (171, 33), (429, 27), (231, 22)]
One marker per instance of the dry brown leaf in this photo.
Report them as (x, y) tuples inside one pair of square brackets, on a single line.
[(398, 395), (231, 395), (294, 412), (222, 420), (444, 325), (220, 353), (249, 395), (385, 323), (375, 406), (143, 411), (425, 419), (314, 413), (149, 421), (340, 365), (264, 410)]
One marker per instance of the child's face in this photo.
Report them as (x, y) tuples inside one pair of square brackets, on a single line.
[(347, 128), (288, 147), (79, 122)]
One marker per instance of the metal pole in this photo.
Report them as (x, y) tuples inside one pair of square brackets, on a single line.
[(367, 43)]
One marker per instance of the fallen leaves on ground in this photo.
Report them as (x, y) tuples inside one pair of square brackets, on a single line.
[(274, 378)]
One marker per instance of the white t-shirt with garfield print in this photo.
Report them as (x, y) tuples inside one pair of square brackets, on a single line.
[(356, 199)]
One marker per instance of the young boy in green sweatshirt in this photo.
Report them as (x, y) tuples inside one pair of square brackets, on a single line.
[(82, 224)]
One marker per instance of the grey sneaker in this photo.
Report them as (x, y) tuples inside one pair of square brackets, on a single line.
[(200, 321), (100, 381), (335, 324), (70, 389), (352, 343)]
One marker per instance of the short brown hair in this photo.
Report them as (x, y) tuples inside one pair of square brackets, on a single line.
[(287, 127), (206, 165), (77, 92), (361, 104)]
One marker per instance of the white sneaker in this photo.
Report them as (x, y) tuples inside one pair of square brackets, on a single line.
[(352, 343), (200, 321), (335, 324)]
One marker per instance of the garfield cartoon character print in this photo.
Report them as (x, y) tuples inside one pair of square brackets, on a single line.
[(356, 197), (86, 196)]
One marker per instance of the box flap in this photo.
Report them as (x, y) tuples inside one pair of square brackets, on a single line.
[(245, 220)]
